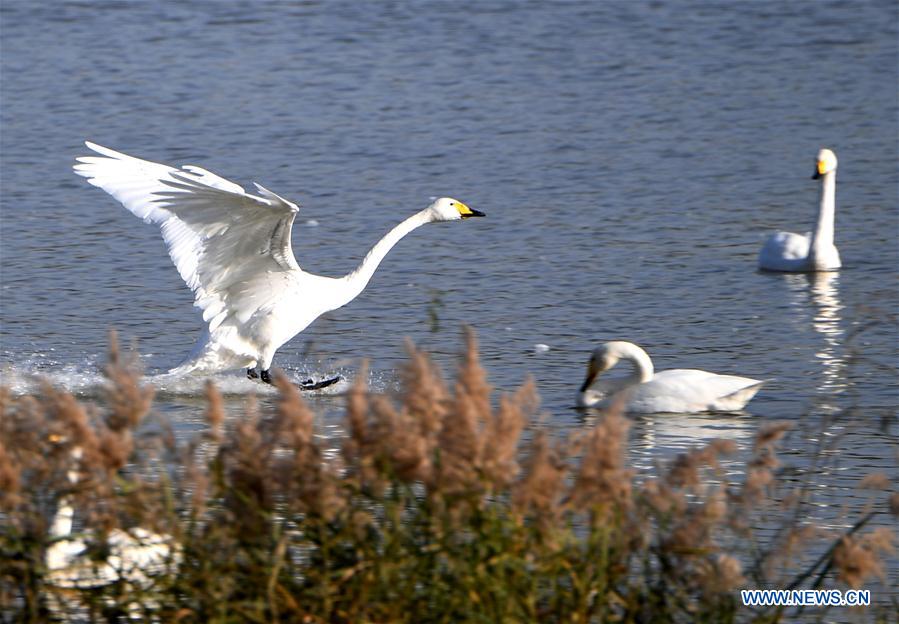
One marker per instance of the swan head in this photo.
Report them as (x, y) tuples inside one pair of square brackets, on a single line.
[(76, 453), (449, 209), (604, 357), (827, 162), (607, 355)]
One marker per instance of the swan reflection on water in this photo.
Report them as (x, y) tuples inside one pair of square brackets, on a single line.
[(656, 437), (671, 434), (817, 300)]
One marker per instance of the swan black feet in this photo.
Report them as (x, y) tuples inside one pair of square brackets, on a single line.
[(318, 385), (252, 374), (309, 384)]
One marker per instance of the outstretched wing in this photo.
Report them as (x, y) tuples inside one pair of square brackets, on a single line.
[(227, 244)]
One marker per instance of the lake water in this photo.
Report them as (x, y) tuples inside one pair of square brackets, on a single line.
[(631, 158)]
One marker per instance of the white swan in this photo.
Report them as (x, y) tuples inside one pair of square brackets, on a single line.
[(233, 250), (678, 390), (133, 556), (815, 251)]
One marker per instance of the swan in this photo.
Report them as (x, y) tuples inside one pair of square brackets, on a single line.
[(679, 390), (133, 556), (233, 250), (815, 251)]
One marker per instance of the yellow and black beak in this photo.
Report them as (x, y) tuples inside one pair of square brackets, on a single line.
[(465, 212), (820, 171)]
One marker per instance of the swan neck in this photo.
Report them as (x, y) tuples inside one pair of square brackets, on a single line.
[(62, 521), (823, 236), (357, 280), (643, 368)]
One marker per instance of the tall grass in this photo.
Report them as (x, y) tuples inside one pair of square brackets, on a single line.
[(438, 508)]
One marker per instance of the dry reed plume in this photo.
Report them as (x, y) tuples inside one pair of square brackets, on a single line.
[(435, 509)]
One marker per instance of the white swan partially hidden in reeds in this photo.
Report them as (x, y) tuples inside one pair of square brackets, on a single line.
[(645, 391), (815, 251), (132, 556), (233, 250)]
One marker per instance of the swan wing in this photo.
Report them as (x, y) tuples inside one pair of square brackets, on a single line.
[(784, 251), (690, 390), (229, 246)]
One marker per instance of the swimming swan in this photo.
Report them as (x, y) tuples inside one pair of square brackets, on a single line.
[(678, 390), (785, 251), (233, 251), (133, 556)]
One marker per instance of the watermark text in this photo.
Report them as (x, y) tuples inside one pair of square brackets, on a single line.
[(805, 597)]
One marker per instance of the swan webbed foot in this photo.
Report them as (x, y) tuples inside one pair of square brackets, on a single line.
[(310, 384)]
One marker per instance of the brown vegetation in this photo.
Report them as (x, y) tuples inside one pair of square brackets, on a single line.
[(435, 510)]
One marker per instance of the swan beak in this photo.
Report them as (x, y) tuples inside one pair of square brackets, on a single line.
[(591, 375), (465, 211), (820, 171)]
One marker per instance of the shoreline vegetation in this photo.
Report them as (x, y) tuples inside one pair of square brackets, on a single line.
[(443, 504)]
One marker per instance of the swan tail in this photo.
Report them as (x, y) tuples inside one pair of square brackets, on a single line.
[(737, 400), (210, 361), (214, 352)]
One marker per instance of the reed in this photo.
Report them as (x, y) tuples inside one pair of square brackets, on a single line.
[(445, 504)]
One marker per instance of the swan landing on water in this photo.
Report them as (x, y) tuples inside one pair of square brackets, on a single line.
[(646, 392), (815, 251), (233, 251)]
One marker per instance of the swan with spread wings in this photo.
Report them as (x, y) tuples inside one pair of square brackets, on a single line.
[(233, 250)]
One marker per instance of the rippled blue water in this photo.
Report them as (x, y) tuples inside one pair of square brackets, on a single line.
[(631, 157)]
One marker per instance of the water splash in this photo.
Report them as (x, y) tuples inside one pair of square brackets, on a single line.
[(85, 378)]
